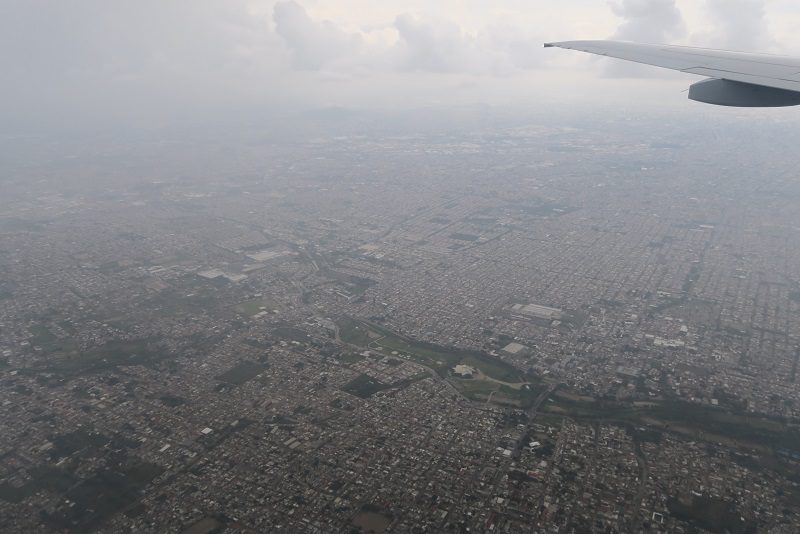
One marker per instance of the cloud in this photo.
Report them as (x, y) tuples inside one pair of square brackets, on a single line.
[(96, 61), (313, 45), (99, 63), (646, 21), (433, 45), (423, 48), (111, 38), (442, 46), (740, 25), (68, 63), (520, 47)]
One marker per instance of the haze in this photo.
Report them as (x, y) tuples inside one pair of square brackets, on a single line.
[(90, 64), (325, 266)]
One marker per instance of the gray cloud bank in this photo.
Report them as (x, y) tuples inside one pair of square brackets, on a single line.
[(95, 60), (68, 63), (422, 46)]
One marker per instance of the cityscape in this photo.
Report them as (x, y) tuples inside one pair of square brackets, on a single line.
[(541, 325)]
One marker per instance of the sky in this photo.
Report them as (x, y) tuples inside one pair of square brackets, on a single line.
[(96, 63)]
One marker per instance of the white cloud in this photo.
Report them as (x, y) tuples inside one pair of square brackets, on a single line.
[(425, 48), (104, 61), (645, 21), (740, 25), (442, 46), (99, 61), (313, 45), (415, 45), (648, 21)]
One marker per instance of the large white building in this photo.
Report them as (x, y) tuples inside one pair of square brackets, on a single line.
[(535, 310)]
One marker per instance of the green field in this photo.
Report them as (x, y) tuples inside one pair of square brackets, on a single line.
[(242, 372), (172, 401), (441, 359), (291, 334), (696, 421), (174, 302), (364, 386), (110, 356), (358, 286), (42, 478), (479, 390), (712, 514), (101, 496), (350, 357), (48, 342), (355, 333), (254, 306), (97, 496)]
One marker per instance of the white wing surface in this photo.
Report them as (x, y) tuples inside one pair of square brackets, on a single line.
[(753, 70)]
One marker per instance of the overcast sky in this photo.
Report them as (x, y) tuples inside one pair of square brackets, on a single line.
[(160, 61)]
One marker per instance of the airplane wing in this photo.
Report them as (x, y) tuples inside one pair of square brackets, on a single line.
[(737, 78)]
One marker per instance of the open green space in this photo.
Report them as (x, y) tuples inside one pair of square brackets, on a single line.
[(546, 419), (193, 297), (712, 514), (65, 445), (42, 478), (475, 389), (350, 357), (358, 285), (355, 285), (242, 372), (355, 333), (752, 431), (207, 525), (363, 386), (542, 208), (101, 496), (49, 342), (172, 401), (441, 359), (481, 390), (95, 498), (110, 356), (372, 518), (744, 428), (255, 306), (291, 334)]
